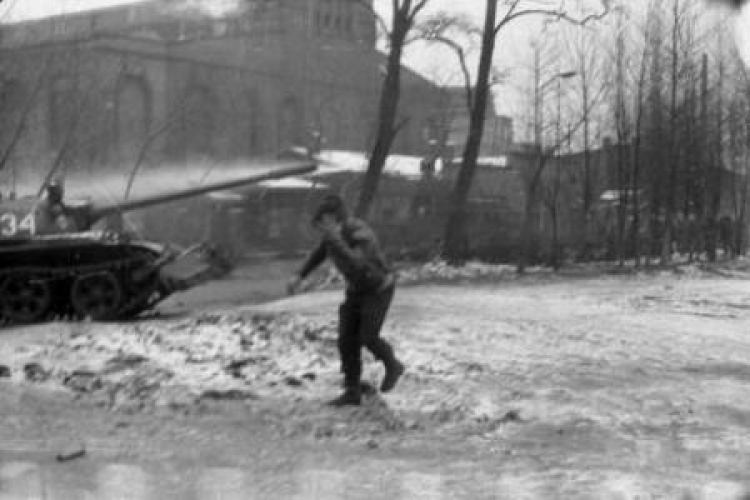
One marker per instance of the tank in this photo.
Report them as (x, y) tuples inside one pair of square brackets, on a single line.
[(54, 264)]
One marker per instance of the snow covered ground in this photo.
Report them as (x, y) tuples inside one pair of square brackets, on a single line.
[(607, 386)]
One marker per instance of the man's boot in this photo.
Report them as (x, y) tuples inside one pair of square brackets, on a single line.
[(365, 387), (393, 371), (350, 397)]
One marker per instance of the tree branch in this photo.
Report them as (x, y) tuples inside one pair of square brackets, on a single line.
[(416, 9), (436, 29), (149, 140), (401, 124), (464, 66), (558, 13)]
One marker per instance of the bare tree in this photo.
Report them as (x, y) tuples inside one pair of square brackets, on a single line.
[(404, 13), (582, 47), (637, 148), (552, 189), (622, 125), (739, 151), (450, 30), (456, 238)]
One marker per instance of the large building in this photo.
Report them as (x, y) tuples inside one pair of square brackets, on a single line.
[(163, 82), (497, 138)]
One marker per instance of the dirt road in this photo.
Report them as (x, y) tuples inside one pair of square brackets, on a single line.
[(607, 387)]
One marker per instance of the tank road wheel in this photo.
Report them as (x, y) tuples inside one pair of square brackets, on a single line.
[(96, 296), (25, 299)]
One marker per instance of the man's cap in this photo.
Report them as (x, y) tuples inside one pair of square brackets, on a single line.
[(331, 204)]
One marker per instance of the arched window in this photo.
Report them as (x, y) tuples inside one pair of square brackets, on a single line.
[(290, 124), (133, 116), (10, 91), (328, 15), (199, 122), (62, 110), (331, 119), (248, 133), (12, 104)]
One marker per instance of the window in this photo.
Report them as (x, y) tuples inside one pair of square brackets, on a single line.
[(199, 120), (13, 104), (62, 110), (327, 15), (337, 11), (347, 18), (11, 96), (290, 124), (133, 117), (247, 132)]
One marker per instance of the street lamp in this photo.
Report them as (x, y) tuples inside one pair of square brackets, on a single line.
[(538, 94)]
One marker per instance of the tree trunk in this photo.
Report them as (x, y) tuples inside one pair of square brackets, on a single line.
[(528, 215), (587, 181), (635, 230), (389, 97), (456, 234), (555, 251)]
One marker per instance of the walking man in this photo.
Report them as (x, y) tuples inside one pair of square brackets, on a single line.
[(370, 284)]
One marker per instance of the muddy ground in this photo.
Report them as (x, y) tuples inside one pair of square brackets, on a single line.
[(584, 385)]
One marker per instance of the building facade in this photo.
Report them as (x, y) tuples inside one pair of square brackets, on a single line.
[(157, 82)]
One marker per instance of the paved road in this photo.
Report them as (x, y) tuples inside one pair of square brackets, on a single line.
[(253, 282)]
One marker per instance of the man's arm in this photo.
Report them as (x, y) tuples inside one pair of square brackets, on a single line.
[(315, 259), (364, 248)]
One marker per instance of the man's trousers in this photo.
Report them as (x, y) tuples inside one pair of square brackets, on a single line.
[(361, 317)]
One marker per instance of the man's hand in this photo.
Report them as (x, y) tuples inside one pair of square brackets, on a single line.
[(294, 285), (329, 227)]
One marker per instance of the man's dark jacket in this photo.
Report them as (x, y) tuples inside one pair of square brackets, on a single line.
[(356, 254)]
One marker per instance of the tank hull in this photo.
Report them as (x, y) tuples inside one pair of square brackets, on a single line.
[(96, 275)]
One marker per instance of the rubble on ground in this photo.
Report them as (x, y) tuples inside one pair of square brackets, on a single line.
[(209, 357), (282, 365)]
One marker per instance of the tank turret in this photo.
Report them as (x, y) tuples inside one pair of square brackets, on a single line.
[(53, 264)]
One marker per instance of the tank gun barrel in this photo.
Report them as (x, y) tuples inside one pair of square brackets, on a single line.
[(292, 169)]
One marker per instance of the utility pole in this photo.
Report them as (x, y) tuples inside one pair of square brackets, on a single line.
[(537, 100)]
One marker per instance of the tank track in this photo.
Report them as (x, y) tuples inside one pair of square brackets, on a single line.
[(138, 294)]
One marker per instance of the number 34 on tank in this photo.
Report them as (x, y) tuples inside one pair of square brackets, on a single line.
[(14, 224)]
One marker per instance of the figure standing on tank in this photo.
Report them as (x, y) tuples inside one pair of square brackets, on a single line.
[(53, 214)]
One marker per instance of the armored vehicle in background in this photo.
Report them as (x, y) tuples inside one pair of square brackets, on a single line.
[(54, 264)]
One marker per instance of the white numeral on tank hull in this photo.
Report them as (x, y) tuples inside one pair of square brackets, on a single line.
[(10, 226)]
